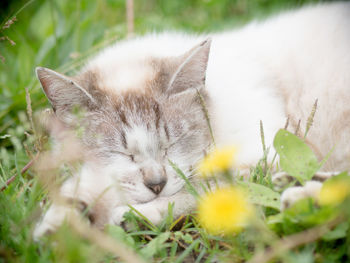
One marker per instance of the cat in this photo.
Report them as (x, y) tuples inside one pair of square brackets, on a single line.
[(146, 101)]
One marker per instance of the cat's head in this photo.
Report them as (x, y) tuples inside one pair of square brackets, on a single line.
[(135, 131)]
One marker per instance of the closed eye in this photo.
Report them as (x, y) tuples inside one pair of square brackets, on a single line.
[(131, 156), (175, 142), (178, 139)]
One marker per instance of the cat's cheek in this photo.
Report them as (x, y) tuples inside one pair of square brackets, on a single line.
[(173, 186)]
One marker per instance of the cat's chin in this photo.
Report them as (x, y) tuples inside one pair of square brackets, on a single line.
[(137, 201), (148, 201)]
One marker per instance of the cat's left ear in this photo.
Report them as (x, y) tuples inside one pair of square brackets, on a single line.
[(64, 93), (190, 74)]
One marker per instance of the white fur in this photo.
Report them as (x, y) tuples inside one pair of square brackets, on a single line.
[(301, 53), (294, 194)]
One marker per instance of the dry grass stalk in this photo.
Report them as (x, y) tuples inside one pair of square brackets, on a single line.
[(8, 39), (287, 123), (29, 110), (37, 140), (24, 169), (9, 22), (7, 25), (262, 135), (296, 132), (206, 114), (265, 151), (310, 119), (130, 17), (30, 116), (295, 240)]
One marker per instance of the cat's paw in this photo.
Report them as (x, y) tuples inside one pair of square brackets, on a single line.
[(281, 179), (150, 211), (52, 220), (117, 216), (296, 193)]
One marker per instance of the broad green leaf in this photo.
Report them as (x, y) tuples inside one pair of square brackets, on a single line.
[(305, 213), (262, 195), (155, 245), (303, 255), (296, 158)]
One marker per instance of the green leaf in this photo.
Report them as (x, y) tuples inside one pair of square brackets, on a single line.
[(296, 158), (305, 213), (338, 232), (275, 219), (304, 255), (187, 238), (118, 233), (261, 195), (342, 177), (155, 245)]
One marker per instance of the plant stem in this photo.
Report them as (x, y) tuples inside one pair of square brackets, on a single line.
[(24, 169)]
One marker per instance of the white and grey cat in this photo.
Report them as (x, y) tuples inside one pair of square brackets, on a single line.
[(142, 106)]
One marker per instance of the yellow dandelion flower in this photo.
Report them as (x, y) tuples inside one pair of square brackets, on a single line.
[(217, 161), (224, 211), (333, 193)]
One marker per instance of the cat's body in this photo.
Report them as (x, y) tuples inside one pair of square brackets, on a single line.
[(141, 99)]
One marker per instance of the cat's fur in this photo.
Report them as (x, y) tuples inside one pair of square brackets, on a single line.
[(142, 106)]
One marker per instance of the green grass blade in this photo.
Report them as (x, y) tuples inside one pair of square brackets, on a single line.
[(187, 251), (189, 186)]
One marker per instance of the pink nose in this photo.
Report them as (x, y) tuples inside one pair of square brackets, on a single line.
[(156, 187)]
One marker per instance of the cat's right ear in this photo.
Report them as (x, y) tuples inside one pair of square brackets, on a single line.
[(191, 71), (63, 92)]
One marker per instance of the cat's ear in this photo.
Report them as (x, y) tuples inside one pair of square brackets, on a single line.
[(190, 74), (63, 92)]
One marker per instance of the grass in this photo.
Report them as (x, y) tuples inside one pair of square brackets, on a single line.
[(62, 35)]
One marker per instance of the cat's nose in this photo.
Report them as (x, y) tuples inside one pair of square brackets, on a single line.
[(156, 187)]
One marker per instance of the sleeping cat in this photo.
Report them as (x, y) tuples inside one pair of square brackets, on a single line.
[(143, 99)]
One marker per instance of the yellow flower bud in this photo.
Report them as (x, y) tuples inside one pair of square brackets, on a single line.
[(333, 193), (217, 161)]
